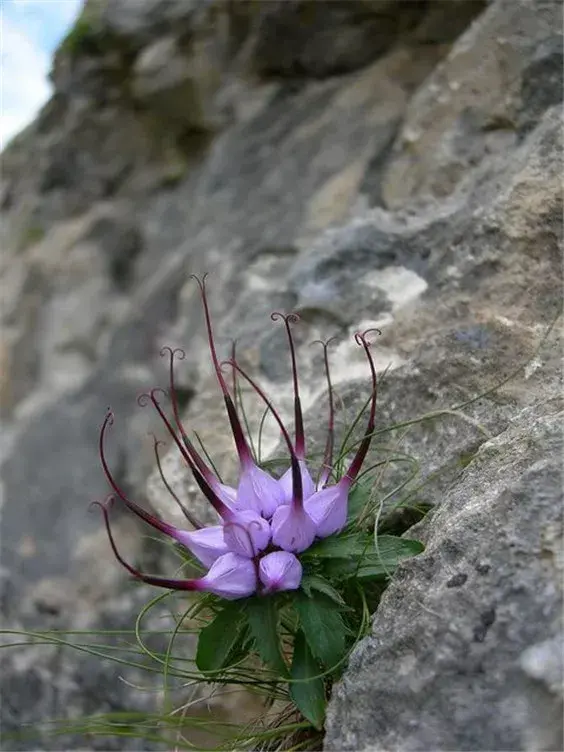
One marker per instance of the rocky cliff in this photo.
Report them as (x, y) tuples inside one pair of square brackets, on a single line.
[(364, 162)]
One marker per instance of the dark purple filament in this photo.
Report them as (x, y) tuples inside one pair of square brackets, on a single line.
[(330, 442), (298, 493), (293, 318), (360, 456)]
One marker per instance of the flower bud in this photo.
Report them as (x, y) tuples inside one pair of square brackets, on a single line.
[(258, 491), (231, 577), (246, 534), (280, 570)]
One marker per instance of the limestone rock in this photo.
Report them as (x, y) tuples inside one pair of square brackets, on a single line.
[(300, 38), (178, 86), (478, 101), (462, 623)]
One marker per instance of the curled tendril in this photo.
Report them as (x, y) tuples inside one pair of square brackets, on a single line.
[(104, 505), (324, 343), (288, 318), (360, 337), (144, 399), (177, 352), (156, 442), (200, 281)]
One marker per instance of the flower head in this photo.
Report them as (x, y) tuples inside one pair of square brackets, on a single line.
[(266, 522)]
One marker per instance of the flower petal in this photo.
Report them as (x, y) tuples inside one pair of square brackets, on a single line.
[(292, 528), (246, 533), (231, 577), (207, 544), (287, 486), (227, 494), (258, 491), (328, 509), (280, 570)]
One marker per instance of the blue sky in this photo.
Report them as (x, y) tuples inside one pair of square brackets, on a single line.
[(30, 31)]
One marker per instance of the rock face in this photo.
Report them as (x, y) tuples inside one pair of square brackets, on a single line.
[(466, 649), (367, 163)]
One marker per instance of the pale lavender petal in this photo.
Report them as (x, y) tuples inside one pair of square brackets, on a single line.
[(230, 577), (246, 533), (328, 509), (287, 486), (292, 529), (207, 544), (227, 494), (280, 570), (258, 491)]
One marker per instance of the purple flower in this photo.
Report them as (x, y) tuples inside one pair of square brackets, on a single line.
[(328, 508), (286, 484), (207, 544), (292, 528), (259, 491), (266, 521), (280, 570), (231, 576), (247, 534)]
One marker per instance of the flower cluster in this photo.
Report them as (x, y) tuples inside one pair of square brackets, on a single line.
[(266, 522)]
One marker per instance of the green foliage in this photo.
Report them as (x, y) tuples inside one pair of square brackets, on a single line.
[(262, 614), (82, 38), (87, 36), (219, 641), (313, 582), (323, 627), (307, 689)]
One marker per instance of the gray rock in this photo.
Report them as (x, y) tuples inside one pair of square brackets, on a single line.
[(141, 22), (323, 39), (473, 106), (443, 667), (178, 85)]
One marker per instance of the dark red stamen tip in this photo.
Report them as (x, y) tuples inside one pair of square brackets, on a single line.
[(329, 444), (241, 444), (144, 399), (293, 318), (296, 474), (356, 464), (150, 579), (106, 504), (360, 337), (189, 516)]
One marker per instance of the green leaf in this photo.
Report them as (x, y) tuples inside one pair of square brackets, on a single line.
[(392, 549), (311, 582), (309, 696), (262, 614), (323, 627), (219, 640), (358, 498), (340, 546), (377, 563)]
